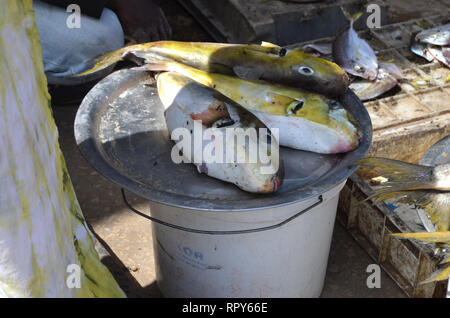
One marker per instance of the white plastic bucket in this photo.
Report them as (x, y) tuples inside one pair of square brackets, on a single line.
[(288, 261)]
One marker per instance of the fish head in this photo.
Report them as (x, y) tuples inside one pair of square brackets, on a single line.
[(320, 75), (333, 125)]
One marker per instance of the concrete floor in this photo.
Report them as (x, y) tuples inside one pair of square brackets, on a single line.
[(127, 237)]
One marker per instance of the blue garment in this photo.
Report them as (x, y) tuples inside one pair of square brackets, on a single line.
[(65, 50)]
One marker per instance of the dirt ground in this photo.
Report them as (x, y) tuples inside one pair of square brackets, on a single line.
[(127, 237)]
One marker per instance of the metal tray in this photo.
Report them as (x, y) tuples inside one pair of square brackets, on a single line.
[(121, 131)]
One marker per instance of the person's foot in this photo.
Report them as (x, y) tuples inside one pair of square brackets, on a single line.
[(142, 21)]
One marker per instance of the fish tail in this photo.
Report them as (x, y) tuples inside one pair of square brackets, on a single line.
[(438, 275), (103, 61), (446, 259), (401, 176), (431, 237)]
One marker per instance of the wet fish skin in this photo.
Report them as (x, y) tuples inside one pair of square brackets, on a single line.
[(354, 54), (248, 61), (441, 238), (366, 89), (305, 120), (186, 101), (437, 36)]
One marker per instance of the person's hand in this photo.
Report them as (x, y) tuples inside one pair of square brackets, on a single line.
[(143, 21)]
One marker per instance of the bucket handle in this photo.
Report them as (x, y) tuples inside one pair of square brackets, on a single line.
[(270, 227)]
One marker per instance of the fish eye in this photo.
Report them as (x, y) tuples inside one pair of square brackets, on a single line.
[(305, 70), (294, 107), (282, 52)]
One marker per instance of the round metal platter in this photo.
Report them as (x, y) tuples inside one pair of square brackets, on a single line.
[(437, 154), (120, 129)]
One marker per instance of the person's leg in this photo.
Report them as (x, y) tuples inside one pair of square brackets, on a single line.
[(66, 50)]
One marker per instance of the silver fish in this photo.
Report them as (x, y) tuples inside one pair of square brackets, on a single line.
[(204, 111), (354, 54), (436, 36), (366, 89)]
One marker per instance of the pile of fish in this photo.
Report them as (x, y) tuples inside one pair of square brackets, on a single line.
[(241, 86), (427, 188), (433, 44)]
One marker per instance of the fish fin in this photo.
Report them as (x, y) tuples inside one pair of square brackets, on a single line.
[(269, 48), (438, 275), (234, 115), (281, 99), (128, 52), (382, 196), (268, 44), (202, 168), (430, 237), (401, 175), (247, 73)]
